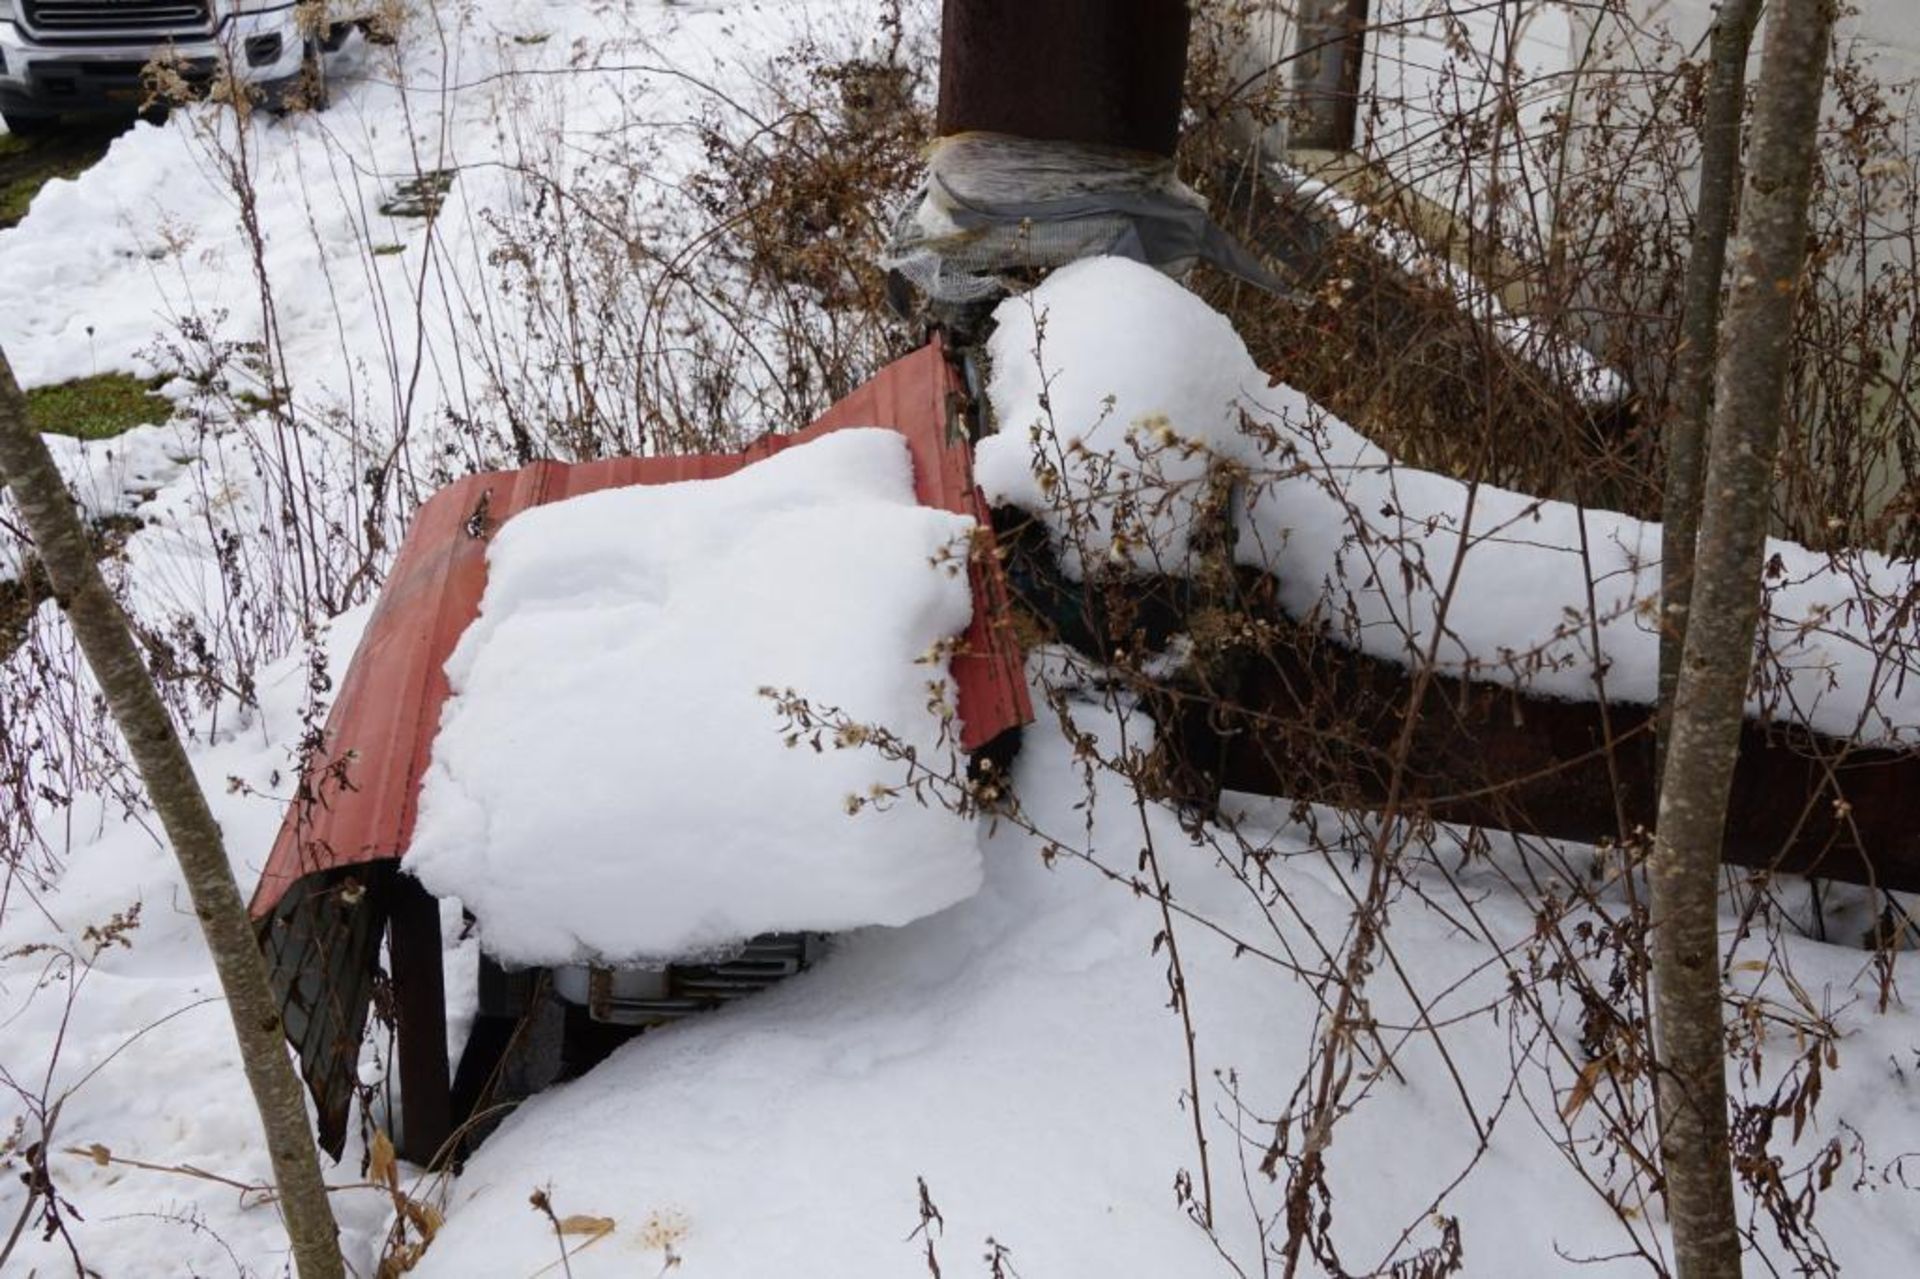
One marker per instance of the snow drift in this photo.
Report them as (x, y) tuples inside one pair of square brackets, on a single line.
[(611, 783)]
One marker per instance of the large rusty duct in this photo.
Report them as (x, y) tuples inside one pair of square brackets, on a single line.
[(1093, 72), (1299, 714), (1485, 755), (1280, 708)]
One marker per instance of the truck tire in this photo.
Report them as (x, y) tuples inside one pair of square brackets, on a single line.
[(305, 89), (30, 126)]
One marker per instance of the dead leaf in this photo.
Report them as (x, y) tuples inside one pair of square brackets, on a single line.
[(582, 1224), (426, 1218), (381, 1163), (1582, 1091)]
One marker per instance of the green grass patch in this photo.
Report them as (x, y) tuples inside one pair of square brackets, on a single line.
[(254, 402), (27, 164), (98, 407), (23, 182)]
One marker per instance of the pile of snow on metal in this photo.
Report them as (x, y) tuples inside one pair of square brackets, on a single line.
[(1117, 392), (612, 782)]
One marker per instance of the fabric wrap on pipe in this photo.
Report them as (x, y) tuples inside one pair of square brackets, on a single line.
[(992, 206)]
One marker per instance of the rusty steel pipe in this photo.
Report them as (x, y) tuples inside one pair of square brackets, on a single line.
[(1312, 719), (1093, 72), (1326, 73), (1296, 714)]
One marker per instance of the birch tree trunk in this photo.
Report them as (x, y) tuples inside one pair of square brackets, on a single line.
[(1699, 332), (102, 631), (1717, 660)]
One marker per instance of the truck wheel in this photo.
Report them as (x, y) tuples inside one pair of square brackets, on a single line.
[(305, 89), (30, 126), (312, 80)]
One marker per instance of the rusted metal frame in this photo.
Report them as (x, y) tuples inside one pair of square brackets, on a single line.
[(420, 1007)]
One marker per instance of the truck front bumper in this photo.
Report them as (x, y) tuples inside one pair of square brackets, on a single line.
[(264, 47)]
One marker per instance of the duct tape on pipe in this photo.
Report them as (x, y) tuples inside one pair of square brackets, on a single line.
[(993, 208)]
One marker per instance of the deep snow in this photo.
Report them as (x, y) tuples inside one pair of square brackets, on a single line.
[(610, 782), (1016, 1049)]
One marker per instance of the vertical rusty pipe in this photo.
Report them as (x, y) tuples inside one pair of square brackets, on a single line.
[(1095, 72), (1326, 73)]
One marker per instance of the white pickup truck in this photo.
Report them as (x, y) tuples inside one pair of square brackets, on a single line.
[(61, 57)]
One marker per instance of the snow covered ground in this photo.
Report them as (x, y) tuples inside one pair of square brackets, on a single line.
[(1013, 1058), (1016, 1052)]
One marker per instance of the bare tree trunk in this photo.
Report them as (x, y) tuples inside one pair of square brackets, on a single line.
[(1699, 331), (1717, 661), (107, 641)]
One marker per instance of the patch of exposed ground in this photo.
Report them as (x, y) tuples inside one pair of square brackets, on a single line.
[(27, 164), (98, 407), (21, 597)]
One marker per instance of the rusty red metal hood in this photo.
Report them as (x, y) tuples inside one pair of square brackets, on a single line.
[(359, 796)]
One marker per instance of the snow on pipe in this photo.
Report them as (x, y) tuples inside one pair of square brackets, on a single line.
[(1532, 614), (1058, 124)]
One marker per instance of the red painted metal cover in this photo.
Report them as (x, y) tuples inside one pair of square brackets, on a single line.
[(358, 798)]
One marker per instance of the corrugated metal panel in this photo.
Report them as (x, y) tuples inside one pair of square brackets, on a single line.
[(320, 919), (357, 803)]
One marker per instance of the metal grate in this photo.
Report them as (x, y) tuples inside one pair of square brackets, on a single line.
[(116, 21), (632, 998)]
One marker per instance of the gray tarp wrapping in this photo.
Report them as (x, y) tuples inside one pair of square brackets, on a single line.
[(992, 205)]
